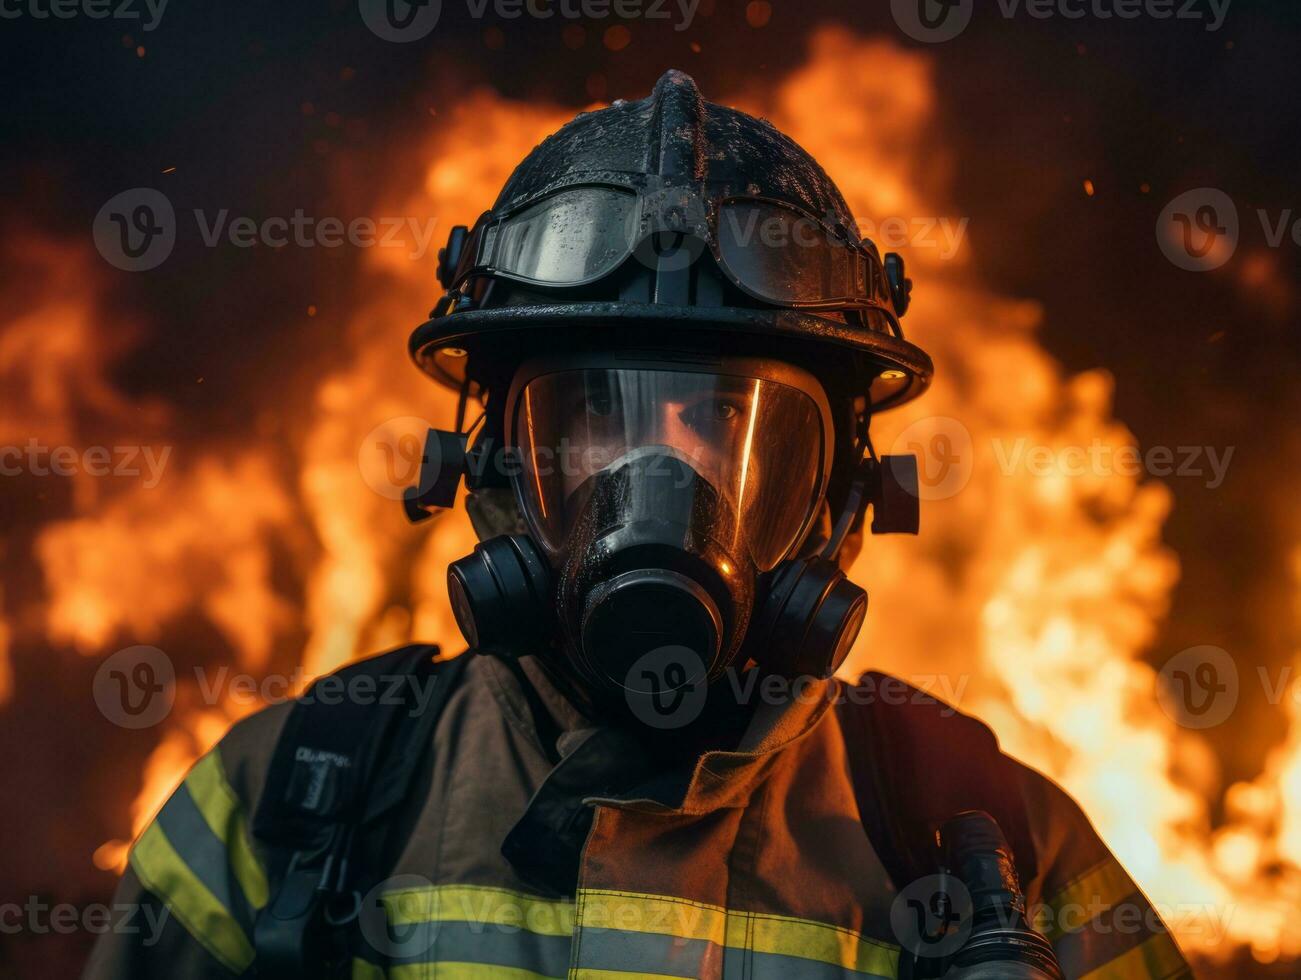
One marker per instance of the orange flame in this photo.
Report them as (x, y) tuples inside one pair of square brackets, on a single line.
[(6, 668)]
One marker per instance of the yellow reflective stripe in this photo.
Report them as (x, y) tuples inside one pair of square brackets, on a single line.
[(1095, 892), (163, 873), (673, 918), (462, 971), (224, 813), (365, 970), (1156, 959), (656, 914), (481, 905), (822, 942), (735, 929)]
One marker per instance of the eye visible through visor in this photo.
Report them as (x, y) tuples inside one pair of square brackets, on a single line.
[(774, 251), (760, 444)]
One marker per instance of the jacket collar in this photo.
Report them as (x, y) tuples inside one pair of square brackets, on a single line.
[(718, 779), (699, 782)]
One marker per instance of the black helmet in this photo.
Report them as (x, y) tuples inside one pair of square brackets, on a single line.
[(642, 218)]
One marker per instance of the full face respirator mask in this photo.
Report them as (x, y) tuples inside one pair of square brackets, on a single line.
[(666, 502)]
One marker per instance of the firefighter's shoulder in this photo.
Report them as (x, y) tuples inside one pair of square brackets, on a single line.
[(1098, 919), (198, 858), (929, 759)]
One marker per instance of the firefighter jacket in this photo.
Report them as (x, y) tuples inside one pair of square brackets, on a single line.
[(747, 863)]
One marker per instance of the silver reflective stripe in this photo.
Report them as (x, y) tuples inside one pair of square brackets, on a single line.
[(196, 858), (669, 956), (204, 853), (491, 945)]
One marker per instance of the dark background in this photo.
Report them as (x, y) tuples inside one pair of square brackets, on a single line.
[(1030, 109)]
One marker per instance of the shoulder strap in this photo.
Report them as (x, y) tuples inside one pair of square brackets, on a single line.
[(916, 762), (347, 756)]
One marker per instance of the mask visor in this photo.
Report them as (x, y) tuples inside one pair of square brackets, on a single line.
[(762, 445)]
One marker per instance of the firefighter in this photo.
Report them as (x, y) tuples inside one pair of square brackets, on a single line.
[(676, 341)]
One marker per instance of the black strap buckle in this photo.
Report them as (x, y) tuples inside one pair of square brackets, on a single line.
[(293, 934)]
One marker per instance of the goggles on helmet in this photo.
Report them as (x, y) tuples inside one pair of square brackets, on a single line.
[(774, 251)]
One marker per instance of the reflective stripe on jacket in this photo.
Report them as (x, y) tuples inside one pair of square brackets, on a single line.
[(753, 865)]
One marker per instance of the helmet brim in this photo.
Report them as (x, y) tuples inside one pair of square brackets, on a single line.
[(444, 346)]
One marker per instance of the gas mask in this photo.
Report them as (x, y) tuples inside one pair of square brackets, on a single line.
[(666, 502)]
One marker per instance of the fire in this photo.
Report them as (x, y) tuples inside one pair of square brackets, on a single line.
[(1034, 595), (6, 668), (137, 563)]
